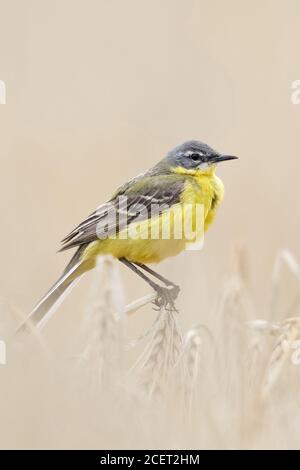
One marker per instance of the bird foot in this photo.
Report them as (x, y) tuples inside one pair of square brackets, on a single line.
[(166, 297)]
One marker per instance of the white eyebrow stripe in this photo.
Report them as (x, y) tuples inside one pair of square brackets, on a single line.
[(190, 152)]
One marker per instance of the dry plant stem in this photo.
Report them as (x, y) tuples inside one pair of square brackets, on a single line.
[(192, 359), (284, 258), (139, 303), (160, 355), (234, 310), (211, 393), (104, 344), (290, 330)]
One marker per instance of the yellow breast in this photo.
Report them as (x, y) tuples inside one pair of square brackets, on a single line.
[(152, 240), (203, 187)]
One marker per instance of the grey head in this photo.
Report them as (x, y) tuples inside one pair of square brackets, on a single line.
[(194, 154)]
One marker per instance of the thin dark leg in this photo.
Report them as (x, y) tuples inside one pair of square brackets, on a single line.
[(165, 297), (139, 273), (157, 275)]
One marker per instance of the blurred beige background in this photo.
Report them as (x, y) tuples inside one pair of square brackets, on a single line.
[(98, 91)]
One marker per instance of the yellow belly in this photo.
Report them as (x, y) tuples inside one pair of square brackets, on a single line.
[(148, 241), (153, 240)]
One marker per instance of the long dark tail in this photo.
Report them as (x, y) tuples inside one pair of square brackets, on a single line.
[(47, 306)]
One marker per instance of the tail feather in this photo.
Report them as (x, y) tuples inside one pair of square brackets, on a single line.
[(47, 306)]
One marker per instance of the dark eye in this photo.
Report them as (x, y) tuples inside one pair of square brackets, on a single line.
[(195, 157)]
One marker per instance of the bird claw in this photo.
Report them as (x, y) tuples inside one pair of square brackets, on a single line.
[(166, 297)]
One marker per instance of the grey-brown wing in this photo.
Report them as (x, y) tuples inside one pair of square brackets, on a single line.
[(141, 198)]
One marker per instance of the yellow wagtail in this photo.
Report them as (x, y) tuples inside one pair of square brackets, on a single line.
[(185, 176)]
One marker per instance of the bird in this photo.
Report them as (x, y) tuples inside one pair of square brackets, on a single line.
[(186, 175)]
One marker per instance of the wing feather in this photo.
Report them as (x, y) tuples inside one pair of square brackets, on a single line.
[(153, 193)]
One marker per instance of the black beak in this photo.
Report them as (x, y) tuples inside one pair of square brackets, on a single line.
[(223, 158)]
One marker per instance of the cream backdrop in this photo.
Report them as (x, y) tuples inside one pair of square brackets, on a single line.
[(98, 91)]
